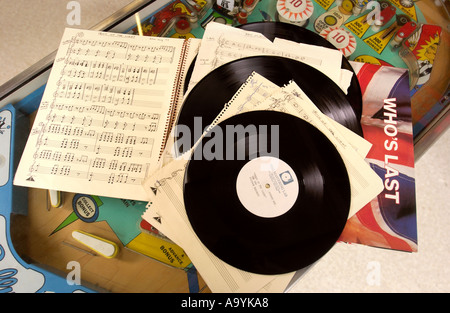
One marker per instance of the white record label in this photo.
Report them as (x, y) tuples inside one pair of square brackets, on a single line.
[(267, 187)]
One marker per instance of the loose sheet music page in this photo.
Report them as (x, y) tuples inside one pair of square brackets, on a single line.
[(219, 276), (165, 187), (258, 93), (222, 44), (102, 121)]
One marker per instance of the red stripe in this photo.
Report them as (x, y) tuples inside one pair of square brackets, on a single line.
[(366, 74), (366, 217), (405, 149)]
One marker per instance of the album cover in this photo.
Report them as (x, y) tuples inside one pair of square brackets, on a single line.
[(389, 220)]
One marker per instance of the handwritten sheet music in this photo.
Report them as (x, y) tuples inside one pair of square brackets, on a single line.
[(167, 212), (258, 93), (258, 89), (218, 275), (102, 121), (222, 44), (165, 187)]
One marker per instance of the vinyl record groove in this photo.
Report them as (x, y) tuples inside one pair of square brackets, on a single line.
[(312, 192), (272, 30), (208, 97), (291, 32)]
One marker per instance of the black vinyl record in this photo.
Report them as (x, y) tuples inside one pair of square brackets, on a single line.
[(307, 190), (208, 97), (272, 30)]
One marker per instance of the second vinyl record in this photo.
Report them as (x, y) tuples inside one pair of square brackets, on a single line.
[(208, 97), (268, 202), (272, 30)]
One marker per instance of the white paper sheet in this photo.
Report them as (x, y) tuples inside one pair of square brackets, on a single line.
[(222, 44), (102, 121)]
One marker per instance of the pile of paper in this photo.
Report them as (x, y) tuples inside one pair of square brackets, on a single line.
[(166, 210)]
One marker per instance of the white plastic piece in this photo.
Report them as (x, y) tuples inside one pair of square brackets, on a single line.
[(104, 247), (55, 198)]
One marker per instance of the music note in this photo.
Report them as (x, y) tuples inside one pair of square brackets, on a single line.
[(54, 169), (119, 138), (56, 156), (65, 170), (69, 157), (131, 140), (127, 152), (122, 178), (98, 121), (113, 165), (111, 178), (99, 163)]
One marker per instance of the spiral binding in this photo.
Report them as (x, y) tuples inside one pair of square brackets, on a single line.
[(227, 105), (176, 94)]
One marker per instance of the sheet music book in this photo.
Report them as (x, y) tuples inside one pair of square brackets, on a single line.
[(107, 108)]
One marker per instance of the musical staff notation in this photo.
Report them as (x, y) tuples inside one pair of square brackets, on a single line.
[(104, 113)]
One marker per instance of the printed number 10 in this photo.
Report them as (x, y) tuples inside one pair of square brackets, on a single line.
[(339, 37), (296, 3)]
